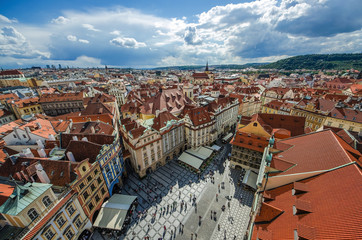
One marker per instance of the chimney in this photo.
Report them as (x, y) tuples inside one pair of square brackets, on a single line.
[(51, 137), (42, 175), (27, 130), (85, 139), (157, 113), (70, 156), (16, 132), (40, 144), (38, 125), (75, 138), (42, 153), (28, 153), (26, 176), (93, 130)]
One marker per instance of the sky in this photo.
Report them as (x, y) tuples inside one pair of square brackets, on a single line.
[(143, 34)]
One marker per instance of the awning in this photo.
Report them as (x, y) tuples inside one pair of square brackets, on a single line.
[(190, 160), (200, 152), (113, 212), (216, 147), (250, 179)]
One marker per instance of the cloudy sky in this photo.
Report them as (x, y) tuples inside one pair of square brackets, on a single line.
[(150, 33)]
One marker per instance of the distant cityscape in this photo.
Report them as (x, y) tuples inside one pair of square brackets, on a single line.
[(207, 153)]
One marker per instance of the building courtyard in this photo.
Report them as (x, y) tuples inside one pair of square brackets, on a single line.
[(175, 203)]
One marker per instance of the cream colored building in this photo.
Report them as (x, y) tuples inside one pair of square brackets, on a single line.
[(200, 127), (144, 146)]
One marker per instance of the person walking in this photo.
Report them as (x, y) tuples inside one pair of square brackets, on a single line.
[(164, 228)]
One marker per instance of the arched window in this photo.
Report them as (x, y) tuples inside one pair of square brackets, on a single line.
[(46, 201), (32, 213)]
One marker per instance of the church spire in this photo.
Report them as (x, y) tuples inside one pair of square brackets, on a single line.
[(207, 66)]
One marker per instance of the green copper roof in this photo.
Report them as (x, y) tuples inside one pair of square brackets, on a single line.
[(22, 197)]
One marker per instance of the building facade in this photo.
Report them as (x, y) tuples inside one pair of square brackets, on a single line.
[(200, 127), (90, 187), (58, 104)]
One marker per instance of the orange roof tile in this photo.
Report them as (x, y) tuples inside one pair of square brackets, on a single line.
[(267, 213), (315, 151), (336, 212)]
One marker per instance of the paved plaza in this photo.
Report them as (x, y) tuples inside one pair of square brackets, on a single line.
[(175, 204)]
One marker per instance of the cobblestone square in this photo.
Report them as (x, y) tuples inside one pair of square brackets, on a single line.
[(153, 216)]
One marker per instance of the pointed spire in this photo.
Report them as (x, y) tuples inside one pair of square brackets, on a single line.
[(207, 66)]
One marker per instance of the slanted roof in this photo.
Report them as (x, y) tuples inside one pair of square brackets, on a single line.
[(250, 179), (22, 197), (316, 151), (332, 208)]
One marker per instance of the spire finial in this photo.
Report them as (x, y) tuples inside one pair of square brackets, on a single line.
[(207, 66)]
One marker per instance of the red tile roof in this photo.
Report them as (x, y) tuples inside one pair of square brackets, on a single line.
[(161, 120), (199, 115), (20, 103), (92, 127), (10, 72), (346, 114), (249, 141), (316, 151), (9, 96), (5, 192), (333, 199), (267, 213), (62, 97)]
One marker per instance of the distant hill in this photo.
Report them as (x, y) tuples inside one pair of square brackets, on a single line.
[(318, 61)]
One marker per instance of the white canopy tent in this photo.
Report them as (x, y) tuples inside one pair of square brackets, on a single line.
[(113, 212), (190, 160), (250, 179)]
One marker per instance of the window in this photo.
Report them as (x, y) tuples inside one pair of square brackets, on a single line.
[(96, 172), (46, 201), (90, 206), (99, 180), (60, 221), (78, 223), (32, 213), (24, 136), (93, 187), (85, 195), (69, 234), (97, 198), (49, 234), (89, 178), (340, 126), (81, 186), (350, 129), (103, 191), (14, 135), (71, 210)]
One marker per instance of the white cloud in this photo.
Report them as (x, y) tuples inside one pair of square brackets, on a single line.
[(4, 19), (60, 20), (72, 38), (115, 32), (127, 42), (90, 27), (13, 43), (80, 61), (83, 41), (235, 33)]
